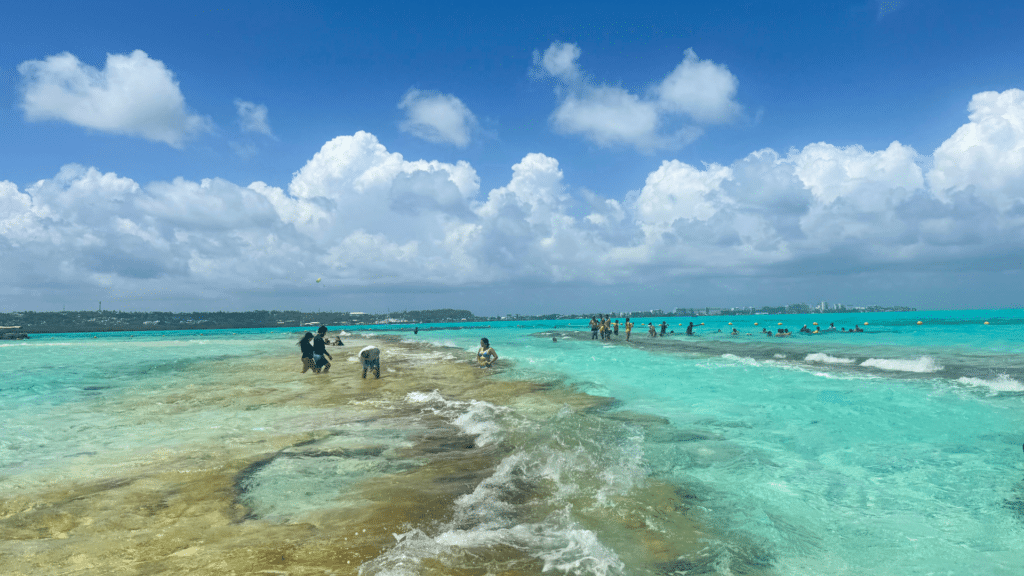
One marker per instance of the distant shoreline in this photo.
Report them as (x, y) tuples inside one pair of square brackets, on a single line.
[(116, 321)]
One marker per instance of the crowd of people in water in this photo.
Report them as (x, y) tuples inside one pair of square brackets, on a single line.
[(315, 356), (604, 327)]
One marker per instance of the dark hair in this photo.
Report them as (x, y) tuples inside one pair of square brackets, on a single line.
[(305, 337), (322, 329), (485, 341)]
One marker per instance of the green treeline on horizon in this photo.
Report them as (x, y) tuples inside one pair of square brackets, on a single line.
[(113, 320)]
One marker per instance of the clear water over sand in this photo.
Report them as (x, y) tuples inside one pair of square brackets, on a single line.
[(893, 451)]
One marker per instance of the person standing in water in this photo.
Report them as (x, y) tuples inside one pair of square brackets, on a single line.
[(615, 327), (664, 326), (594, 326), (306, 345), (486, 356), (320, 353), (629, 328)]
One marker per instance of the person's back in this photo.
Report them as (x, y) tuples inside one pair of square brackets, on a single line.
[(319, 346), (370, 357), (320, 354)]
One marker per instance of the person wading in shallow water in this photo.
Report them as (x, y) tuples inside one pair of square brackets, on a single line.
[(486, 356), (320, 353), (306, 345)]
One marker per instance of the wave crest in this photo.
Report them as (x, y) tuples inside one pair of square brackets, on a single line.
[(922, 365)]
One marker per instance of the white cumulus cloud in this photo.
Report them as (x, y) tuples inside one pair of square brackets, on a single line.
[(700, 88), (986, 155), (133, 94), (437, 117), (698, 92)]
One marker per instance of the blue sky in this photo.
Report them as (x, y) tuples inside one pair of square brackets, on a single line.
[(514, 158)]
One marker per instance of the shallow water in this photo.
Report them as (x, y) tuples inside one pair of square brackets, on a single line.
[(893, 451)]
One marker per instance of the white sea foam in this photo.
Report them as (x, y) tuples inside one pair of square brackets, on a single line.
[(473, 418), (740, 359), (567, 550), (924, 364), (823, 358), (1001, 383)]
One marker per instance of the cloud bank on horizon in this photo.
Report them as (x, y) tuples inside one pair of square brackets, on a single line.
[(360, 215), (380, 218)]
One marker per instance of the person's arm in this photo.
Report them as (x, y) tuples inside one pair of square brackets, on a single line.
[(495, 354)]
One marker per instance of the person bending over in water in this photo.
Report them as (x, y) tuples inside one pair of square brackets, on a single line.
[(306, 345), (486, 356), (320, 351), (370, 357)]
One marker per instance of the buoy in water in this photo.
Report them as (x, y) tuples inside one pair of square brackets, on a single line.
[(919, 322), (986, 322), (318, 280), (865, 323)]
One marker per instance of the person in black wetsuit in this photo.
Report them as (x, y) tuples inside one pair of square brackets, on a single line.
[(320, 353), (306, 346), (689, 329)]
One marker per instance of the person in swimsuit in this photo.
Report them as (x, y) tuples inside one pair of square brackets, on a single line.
[(320, 353), (486, 356), (594, 327), (615, 327), (629, 328), (664, 326), (370, 357), (307, 353)]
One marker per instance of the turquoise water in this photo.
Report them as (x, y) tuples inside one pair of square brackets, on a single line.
[(897, 450)]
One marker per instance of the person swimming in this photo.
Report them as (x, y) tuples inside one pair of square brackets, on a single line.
[(486, 356)]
